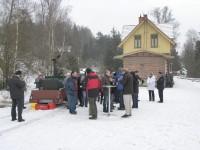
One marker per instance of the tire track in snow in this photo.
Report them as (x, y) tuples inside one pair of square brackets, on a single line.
[(25, 110), (2, 132), (8, 116)]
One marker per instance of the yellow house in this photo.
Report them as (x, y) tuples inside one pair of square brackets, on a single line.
[(147, 48)]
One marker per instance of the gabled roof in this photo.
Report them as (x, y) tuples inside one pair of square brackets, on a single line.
[(126, 29), (160, 28), (143, 51)]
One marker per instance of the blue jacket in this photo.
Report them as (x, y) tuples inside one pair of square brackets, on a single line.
[(118, 81), (71, 86)]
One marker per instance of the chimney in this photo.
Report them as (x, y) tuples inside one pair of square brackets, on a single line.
[(141, 19)]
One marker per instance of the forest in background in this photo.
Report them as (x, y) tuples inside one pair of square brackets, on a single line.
[(33, 33)]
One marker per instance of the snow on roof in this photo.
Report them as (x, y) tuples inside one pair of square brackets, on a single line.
[(126, 29), (165, 28)]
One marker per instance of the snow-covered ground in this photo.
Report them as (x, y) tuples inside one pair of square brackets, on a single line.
[(173, 125)]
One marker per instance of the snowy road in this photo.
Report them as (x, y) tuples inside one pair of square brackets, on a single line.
[(173, 125)]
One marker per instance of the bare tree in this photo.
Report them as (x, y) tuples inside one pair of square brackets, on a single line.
[(164, 16), (188, 54), (8, 7)]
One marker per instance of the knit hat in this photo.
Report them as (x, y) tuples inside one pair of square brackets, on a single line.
[(18, 72), (88, 70)]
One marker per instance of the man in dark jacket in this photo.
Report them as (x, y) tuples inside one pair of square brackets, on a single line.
[(127, 93), (17, 86), (80, 90), (135, 89), (93, 88), (84, 92), (160, 86), (72, 92)]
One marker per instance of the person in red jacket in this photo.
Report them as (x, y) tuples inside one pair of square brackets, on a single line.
[(92, 87)]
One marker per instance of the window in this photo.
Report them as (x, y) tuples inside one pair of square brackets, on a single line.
[(154, 40), (137, 42)]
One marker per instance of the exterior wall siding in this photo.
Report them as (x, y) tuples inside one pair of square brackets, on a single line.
[(145, 64), (145, 30)]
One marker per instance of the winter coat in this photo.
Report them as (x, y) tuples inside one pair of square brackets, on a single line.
[(71, 86), (161, 83), (118, 79), (136, 79), (83, 83), (105, 82), (127, 83), (92, 84), (151, 83), (16, 87)]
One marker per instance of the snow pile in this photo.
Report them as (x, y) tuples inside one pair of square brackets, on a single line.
[(30, 85), (4, 96), (29, 79)]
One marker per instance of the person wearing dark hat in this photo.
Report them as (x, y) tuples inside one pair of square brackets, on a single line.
[(160, 86), (17, 86)]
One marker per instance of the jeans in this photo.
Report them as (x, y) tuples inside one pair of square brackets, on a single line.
[(120, 98), (72, 101), (92, 106), (80, 97), (135, 100), (160, 93), (85, 98), (151, 95), (19, 103)]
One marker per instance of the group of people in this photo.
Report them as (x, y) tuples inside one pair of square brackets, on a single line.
[(152, 83), (92, 87), (125, 89), (86, 89)]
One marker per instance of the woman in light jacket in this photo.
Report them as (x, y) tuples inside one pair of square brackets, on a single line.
[(151, 85)]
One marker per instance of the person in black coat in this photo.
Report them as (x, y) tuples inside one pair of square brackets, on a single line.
[(17, 86), (160, 86), (136, 82), (80, 90)]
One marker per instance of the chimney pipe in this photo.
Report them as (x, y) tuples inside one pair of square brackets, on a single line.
[(144, 18)]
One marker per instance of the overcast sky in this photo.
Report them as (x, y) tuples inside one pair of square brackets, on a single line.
[(103, 15)]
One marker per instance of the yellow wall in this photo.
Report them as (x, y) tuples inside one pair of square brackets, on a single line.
[(145, 30)]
